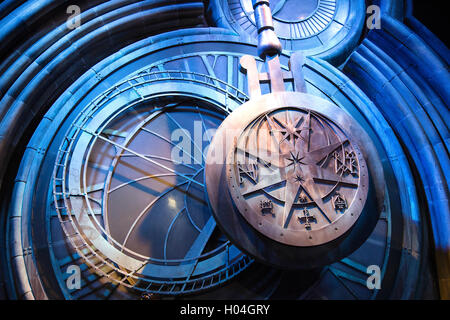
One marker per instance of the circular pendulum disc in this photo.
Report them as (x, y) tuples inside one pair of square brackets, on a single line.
[(288, 181)]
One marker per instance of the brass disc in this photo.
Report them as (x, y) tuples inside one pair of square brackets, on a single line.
[(288, 180)]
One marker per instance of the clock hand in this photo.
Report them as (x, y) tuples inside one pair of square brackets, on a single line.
[(200, 242)]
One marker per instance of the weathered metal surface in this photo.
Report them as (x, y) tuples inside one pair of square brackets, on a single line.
[(270, 201), (410, 86), (296, 176), (311, 172), (268, 43)]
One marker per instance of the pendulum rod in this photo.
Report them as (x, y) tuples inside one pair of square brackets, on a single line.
[(269, 49)]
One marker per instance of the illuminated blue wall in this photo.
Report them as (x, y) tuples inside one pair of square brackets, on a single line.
[(395, 79)]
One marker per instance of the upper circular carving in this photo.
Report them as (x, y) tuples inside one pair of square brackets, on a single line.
[(169, 53), (129, 201)]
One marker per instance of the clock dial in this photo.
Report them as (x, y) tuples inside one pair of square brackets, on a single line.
[(191, 73), (285, 10), (297, 21), (129, 188)]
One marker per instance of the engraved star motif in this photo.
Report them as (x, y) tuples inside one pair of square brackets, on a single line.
[(290, 131), (299, 178), (295, 159), (299, 168)]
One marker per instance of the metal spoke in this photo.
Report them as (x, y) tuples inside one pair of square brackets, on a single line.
[(146, 209), (157, 157), (338, 277), (193, 142), (203, 123), (167, 140), (170, 229), (186, 205), (278, 7), (140, 179)]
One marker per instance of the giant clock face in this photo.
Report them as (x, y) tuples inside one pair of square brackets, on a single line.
[(117, 197), (128, 185), (317, 27)]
